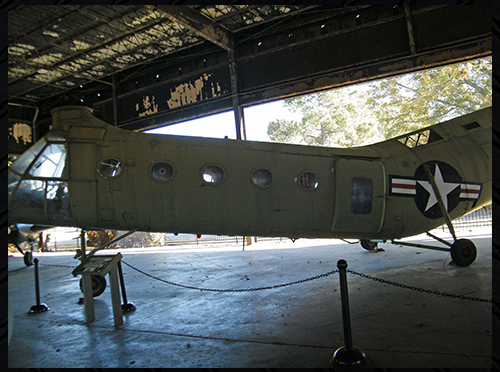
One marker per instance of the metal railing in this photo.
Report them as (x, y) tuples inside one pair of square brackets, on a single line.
[(480, 219)]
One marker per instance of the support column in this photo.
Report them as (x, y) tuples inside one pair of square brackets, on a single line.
[(411, 34), (238, 112), (115, 101)]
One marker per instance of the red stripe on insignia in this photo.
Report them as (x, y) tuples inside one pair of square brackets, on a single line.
[(470, 191), (403, 186)]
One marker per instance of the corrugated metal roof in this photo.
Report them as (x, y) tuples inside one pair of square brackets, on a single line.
[(55, 48)]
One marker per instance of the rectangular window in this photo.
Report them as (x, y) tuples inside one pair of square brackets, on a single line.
[(361, 195), (420, 138)]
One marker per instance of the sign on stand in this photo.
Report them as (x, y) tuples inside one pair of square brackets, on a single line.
[(101, 265)]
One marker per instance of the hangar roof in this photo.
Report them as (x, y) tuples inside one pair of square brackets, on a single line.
[(189, 61), (53, 49)]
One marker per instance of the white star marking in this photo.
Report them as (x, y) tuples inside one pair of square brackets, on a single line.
[(444, 189)]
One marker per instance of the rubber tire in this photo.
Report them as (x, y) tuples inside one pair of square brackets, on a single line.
[(368, 244), (463, 252), (98, 285), (28, 258)]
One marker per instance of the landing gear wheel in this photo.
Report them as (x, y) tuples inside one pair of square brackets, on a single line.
[(98, 285), (463, 252), (28, 258), (369, 245)]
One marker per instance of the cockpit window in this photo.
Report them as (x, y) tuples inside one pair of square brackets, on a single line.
[(36, 187), (50, 163), (28, 201), (110, 168), (24, 161), (57, 197)]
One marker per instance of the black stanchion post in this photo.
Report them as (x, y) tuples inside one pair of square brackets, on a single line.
[(348, 355), (126, 306), (39, 307)]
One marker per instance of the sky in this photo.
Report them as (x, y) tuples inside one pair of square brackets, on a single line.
[(257, 119)]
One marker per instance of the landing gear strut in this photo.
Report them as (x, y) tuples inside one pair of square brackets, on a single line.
[(463, 251), (27, 256)]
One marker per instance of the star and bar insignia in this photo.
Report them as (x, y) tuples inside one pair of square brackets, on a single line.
[(449, 183)]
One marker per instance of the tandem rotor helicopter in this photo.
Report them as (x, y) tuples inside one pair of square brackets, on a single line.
[(88, 174)]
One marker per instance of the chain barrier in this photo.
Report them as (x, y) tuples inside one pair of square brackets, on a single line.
[(383, 281), (419, 289), (233, 290)]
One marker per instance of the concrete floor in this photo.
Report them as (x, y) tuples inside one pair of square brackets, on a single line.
[(293, 326)]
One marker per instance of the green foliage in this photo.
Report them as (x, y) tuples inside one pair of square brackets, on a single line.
[(327, 119), (387, 108), (141, 239), (406, 103), (136, 240), (100, 237)]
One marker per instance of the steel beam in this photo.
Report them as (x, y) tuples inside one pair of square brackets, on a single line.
[(199, 24)]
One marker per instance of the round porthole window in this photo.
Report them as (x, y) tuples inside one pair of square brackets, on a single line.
[(110, 168), (162, 171), (262, 178), (213, 174), (309, 180)]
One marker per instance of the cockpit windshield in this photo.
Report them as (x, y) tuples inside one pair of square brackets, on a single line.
[(36, 183), (51, 162), (24, 161)]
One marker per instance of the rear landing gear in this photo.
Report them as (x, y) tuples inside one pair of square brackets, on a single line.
[(463, 252)]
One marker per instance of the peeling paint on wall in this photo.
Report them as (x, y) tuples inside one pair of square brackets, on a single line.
[(191, 92), (21, 131), (196, 90), (148, 106)]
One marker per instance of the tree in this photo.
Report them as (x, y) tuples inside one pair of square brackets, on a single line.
[(383, 109), (141, 239), (100, 237), (406, 103), (327, 120)]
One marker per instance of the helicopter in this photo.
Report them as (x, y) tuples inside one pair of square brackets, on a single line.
[(88, 174)]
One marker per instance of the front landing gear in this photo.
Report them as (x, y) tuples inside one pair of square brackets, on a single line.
[(369, 245), (28, 258), (98, 285)]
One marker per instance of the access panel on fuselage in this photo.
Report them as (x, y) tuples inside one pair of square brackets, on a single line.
[(360, 191)]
